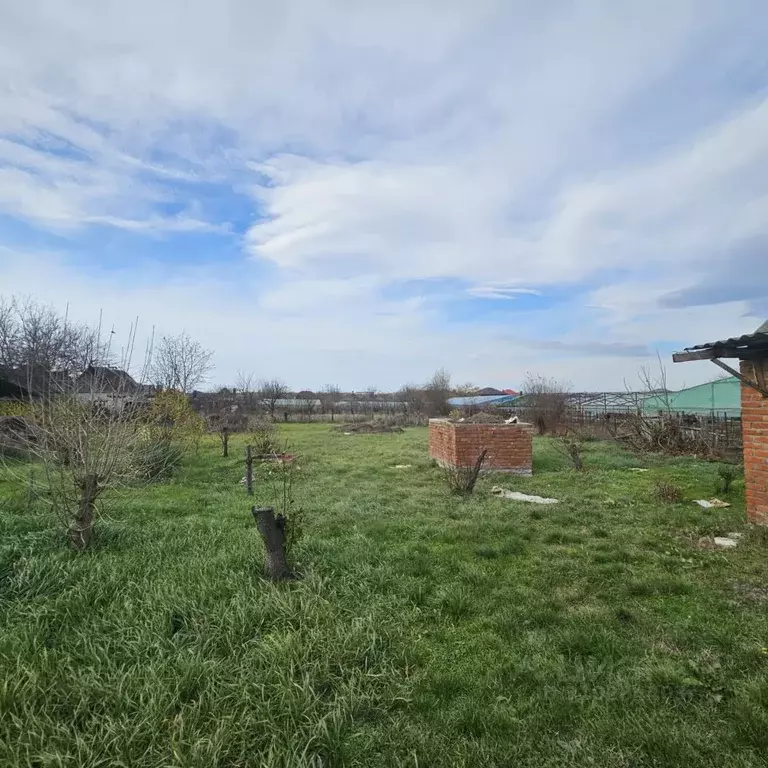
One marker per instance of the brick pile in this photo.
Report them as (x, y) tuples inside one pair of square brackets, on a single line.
[(457, 444), (754, 425)]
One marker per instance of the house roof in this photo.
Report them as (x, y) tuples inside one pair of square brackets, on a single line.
[(748, 346), (104, 379)]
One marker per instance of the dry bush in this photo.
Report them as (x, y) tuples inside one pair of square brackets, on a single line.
[(462, 480), (667, 493), (663, 433), (545, 402)]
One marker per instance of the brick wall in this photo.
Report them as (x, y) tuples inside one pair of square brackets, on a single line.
[(509, 446), (754, 425)]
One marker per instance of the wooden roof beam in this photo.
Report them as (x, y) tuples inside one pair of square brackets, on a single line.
[(743, 379)]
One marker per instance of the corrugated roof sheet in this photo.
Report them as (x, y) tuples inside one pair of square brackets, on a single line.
[(758, 338)]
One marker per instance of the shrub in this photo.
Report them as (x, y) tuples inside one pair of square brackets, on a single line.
[(667, 493), (463, 479), (263, 437), (172, 418)]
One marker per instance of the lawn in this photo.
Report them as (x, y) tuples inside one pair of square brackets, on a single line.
[(427, 630)]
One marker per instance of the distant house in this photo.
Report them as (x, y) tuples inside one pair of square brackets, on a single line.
[(488, 391), (111, 386), (11, 387), (22, 383)]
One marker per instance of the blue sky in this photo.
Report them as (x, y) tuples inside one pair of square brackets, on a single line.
[(361, 193)]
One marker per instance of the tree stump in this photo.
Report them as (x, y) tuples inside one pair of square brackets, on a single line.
[(272, 530)]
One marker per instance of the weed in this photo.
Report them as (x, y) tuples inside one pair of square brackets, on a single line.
[(462, 480), (726, 474)]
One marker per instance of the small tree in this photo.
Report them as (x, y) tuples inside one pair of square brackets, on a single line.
[(87, 443), (269, 392), (180, 363), (546, 400)]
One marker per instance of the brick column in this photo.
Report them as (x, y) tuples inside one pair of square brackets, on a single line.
[(754, 425), (509, 447)]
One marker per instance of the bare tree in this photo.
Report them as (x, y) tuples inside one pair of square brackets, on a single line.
[(330, 395), (437, 391), (307, 402), (180, 363), (37, 339), (269, 392), (246, 385), (370, 394), (546, 401), (466, 390), (414, 399), (88, 439)]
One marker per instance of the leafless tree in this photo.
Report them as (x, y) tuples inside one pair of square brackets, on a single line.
[(437, 391), (88, 439), (178, 362), (307, 401), (269, 392), (465, 390), (546, 402), (37, 339), (246, 386), (330, 395), (370, 395), (415, 401)]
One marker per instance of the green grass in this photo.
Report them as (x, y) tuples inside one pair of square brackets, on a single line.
[(428, 630)]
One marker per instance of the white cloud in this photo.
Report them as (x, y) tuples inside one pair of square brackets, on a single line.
[(619, 149)]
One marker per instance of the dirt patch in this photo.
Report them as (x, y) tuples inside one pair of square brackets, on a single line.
[(751, 592), (367, 428), (485, 418)]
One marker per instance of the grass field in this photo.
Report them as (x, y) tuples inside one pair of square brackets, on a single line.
[(428, 630)]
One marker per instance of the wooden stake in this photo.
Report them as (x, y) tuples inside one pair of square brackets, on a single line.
[(249, 470)]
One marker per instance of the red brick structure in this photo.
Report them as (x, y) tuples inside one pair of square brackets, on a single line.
[(458, 444), (752, 351), (754, 426)]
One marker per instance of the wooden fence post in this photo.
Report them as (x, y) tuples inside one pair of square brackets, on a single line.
[(249, 470)]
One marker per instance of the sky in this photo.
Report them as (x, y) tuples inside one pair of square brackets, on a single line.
[(359, 193)]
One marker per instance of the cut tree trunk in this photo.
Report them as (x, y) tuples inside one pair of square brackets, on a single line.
[(82, 526), (272, 530)]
